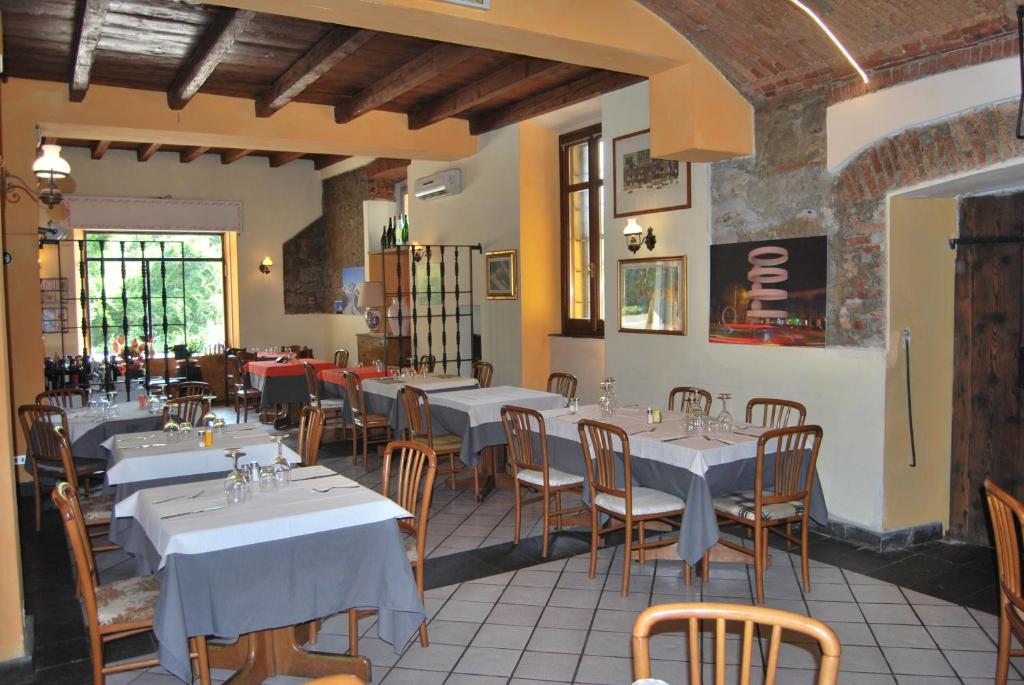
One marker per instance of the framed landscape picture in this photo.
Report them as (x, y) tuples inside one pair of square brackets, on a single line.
[(652, 295), (642, 184), (351, 278), (55, 320), (501, 275)]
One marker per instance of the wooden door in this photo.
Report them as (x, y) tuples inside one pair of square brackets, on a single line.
[(987, 374)]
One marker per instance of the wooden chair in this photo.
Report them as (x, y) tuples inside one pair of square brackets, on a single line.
[(65, 398), (341, 358), (718, 616), (331, 407), (482, 372), (1007, 524), (536, 475), (243, 394), (421, 429), (427, 363), (39, 424), (775, 413), (97, 510), (690, 397), (414, 482), (311, 432), (186, 409), (361, 421), (779, 498), (633, 505), (562, 383), (116, 610), (188, 389)]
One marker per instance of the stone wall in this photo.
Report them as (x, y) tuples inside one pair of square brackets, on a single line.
[(786, 191)]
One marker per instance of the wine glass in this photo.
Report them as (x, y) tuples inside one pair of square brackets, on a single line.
[(234, 454), (726, 423), (235, 491), (172, 430), (209, 418)]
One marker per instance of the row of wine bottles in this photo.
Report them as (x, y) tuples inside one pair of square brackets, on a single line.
[(396, 232)]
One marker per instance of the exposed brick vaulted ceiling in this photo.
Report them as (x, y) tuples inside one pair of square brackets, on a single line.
[(769, 48)]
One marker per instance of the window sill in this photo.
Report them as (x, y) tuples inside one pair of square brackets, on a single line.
[(599, 336)]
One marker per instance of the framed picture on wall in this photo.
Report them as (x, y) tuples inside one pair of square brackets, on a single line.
[(642, 184), (55, 320), (53, 284), (51, 298), (500, 267), (352, 278), (652, 295)]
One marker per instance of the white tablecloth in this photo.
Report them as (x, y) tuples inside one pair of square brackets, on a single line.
[(389, 387), (82, 420), (483, 405), (284, 513)]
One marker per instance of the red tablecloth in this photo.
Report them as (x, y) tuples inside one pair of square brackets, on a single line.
[(293, 368), (333, 375)]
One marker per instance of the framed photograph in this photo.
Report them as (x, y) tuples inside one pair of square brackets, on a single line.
[(351, 278), (53, 284), (642, 184), (769, 292), (652, 295), (55, 320), (51, 298), (501, 275)]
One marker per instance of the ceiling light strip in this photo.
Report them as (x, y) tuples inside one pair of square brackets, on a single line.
[(828, 32)]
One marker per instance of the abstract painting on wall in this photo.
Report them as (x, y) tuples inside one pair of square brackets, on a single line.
[(351, 278), (769, 292)]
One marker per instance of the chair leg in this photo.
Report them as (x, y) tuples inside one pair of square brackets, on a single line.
[(627, 557), (476, 481), (1003, 660), (518, 511), (558, 508), (643, 556), (355, 454), (424, 640), (202, 659), (451, 474), (805, 565), (96, 647), (593, 541), (760, 553), (353, 632), (547, 522), (366, 448)]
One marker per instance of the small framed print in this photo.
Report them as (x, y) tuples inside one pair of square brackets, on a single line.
[(53, 284), (652, 295), (55, 320), (51, 298), (643, 184), (501, 274)]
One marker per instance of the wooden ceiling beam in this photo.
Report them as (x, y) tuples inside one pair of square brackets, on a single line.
[(515, 75), (88, 30), (99, 148), (146, 151), (281, 158), (229, 156), (427, 66), (324, 161), (338, 44), (387, 169), (214, 45), (564, 95), (191, 154)]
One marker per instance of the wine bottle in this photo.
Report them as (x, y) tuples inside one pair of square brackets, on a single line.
[(391, 232), (405, 230), (384, 237)]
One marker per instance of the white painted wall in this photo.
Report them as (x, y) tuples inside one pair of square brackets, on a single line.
[(855, 124), (842, 388), (277, 203), (583, 358), (487, 211)]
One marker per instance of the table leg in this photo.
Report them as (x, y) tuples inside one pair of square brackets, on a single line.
[(261, 655)]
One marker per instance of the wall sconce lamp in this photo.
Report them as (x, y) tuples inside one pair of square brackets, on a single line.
[(266, 265), (635, 238), (49, 167)]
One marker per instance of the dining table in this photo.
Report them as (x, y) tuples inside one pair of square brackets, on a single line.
[(696, 467), (282, 382), (332, 381), (381, 394), (89, 428), (263, 569)]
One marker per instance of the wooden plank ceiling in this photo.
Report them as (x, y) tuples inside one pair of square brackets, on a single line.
[(183, 48)]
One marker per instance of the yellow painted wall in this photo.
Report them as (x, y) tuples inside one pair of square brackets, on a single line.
[(539, 253), (921, 298)]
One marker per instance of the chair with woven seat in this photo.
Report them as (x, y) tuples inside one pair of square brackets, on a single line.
[(116, 610), (361, 421), (536, 475), (421, 429), (188, 409), (482, 372), (311, 431), (771, 412), (97, 510), (1007, 514), (65, 398), (243, 394), (562, 383), (332, 407), (631, 504), (781, 496), (341, 358), (687, 618), (413, 491), (689, 397), (42, 450), (188, 389)]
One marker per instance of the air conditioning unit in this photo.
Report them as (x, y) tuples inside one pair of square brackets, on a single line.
[(447, 182)]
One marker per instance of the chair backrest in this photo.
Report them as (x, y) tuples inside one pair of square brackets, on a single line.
[(562, 383), (427, 363), (41, 424), (1007, 524), (600, 443), (417, 413), (354, 391), (311, 430), (795, 454), (718, 617), (66, 458), (65, 497), (312, 383), (341, 358), (482, 372), (188, 409), (771, 412), (414, 482), (188, 389), (689, 397), (66, 398), (521, 425)]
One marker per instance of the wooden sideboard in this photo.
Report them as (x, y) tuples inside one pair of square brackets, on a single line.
[(370, 348)]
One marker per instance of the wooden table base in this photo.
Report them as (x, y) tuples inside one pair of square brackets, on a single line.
[(719, 553), (264, 654)]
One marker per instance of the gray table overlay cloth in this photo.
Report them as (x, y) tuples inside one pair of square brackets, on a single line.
[(280, 390)]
